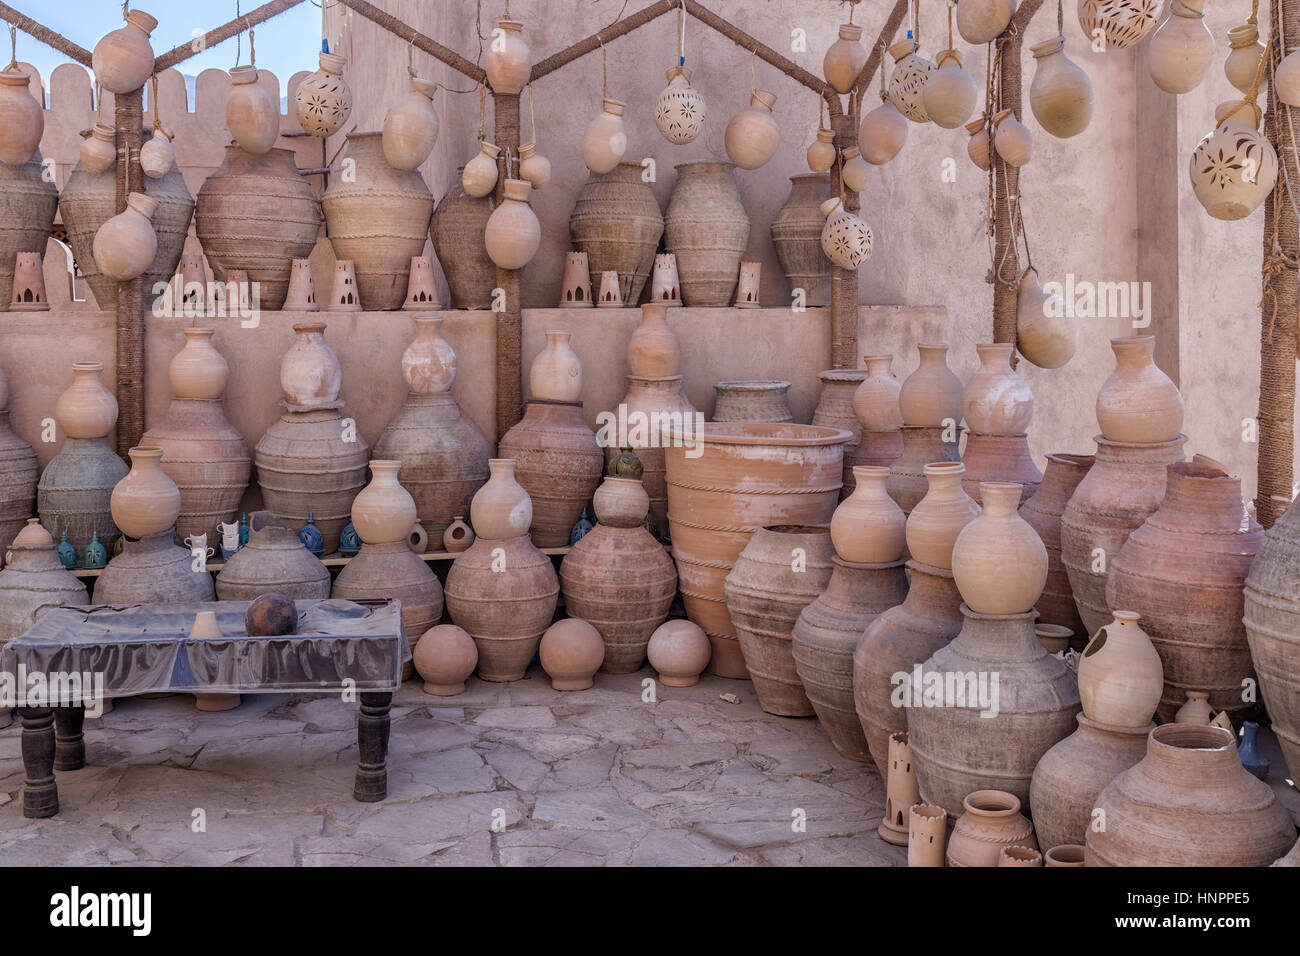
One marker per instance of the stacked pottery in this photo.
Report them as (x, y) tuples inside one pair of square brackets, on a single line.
[(377, 217), (457, 230), (930, 404), (707, 229), (18, 471), (383, 514), (797, 236), (444, 454), (1184, 570), (617, 577), (308, 464), (502, 589), (998, 560), (761, 401), (273, 562), (1141, 414), (1043, 512), (780, 572), (875, 405), (616, 221), (1189, 802), (835, 410), (998, 406), (203, 453), (867, 580), (28, 202), (72, 497), (33, 581), (941, 515)]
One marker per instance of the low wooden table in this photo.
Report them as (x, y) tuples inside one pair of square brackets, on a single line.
[(341, 646)]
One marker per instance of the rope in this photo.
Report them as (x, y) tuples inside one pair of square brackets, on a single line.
[(13, 44), (153, 99), (532, 117), (482, 112), (1254, 12), (681, 34), (1060, 18)]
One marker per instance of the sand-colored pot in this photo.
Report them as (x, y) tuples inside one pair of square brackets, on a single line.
[(1244, 55), (392, 570), (457, 230), (1122, 489), (559, 464), (556, 373), (653, 350), (505, 611), (33, 582), (1043, 512), (616, 221), (323, 101), (1181, 48), (198, 370), (123, 59), (989, 822), (1122, 25), (257, 214), (86, 409), (797, 234), (27, 207), (707, 229), (152, 570), (1138, 402), (922, 446), (932, 394), (534, 168), (1120, 674), (411, 127), (679, 109), (1195, 710), (383, 511), (1067, 854), (846, 240), (1235, 144), (997, 401), (621, 502), (876, 400), (458, 535), (647, 398), (856, 173), (444, 657), (760, 401), (753, 134), (937, 519), (1012, 140), (679, 651), (1060, 94), (907, 82), (310, 374), (604, 141), (868, 527), (513, 233), (99, 150), (501, 509), (1046, 334), (1186, 568), (959, 747), (845, 58), (478, 177), (998, 560), (999, 458), (822, 153), (18, 476), (780, 572), (882, 134), (22, 117), (826, 634), (126, 244), (273, 561), (1189, 802), (949, 94), (146, 501), (1071, 775), (927, 835), (378, 217), (74, 490), (571, 651), (980, 21), (252, 117)]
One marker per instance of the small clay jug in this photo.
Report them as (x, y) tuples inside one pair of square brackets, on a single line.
[(126, 244), (479, 177), (1196, 710), (1138, 403), (198, 370), (145, 502), (310, 374), (882, 134), (845, 58), (383, 511), (938, 518), (323, 101), (875, 403), (86, 409), (513, 232), (21, 116), (99, 149), (411, 127), (123, 59), (458, 536), (992, 820), (998, 561)]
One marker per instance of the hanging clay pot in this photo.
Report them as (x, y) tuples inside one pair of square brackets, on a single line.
[(679, 651), (513, 233), (323, 101), (22, 117), (1122, 25), (1046, 333), (868, 527), (999, 458), (457, 230), (411, 128), (616, 221), (157, 155), (1120, 675), (752, 402), (1060, 94), (796, 234), (145, 502), (605, 141), (981, 21), (753, 135), (845, 58), (1138, 403), (991, 821), (936, 520), (846, 238), (1233, 168), (979, 148), (559, 465), (907, 83), (882, 134), (1181, 48), (1011, 138), (927, 834), (856, 171), (123, 59), (932, 394), (534, 168), (949, 95), (1043, 512), (273, 562), (252, 117), (922, 446), (478, 177), (556, 373), (507, 61), (33, 582), (125, 246), (445, 657), (99, 149), (1244, 55), (679, 110), (822, 153)]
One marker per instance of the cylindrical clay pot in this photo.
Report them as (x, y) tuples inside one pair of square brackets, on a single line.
[(707, 229)]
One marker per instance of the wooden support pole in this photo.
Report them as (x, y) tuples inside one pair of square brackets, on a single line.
[(419, 40), (47, 36), (613, 32), (510, 322), (132, 300), (844, 282), (875, 54), (180, 54)]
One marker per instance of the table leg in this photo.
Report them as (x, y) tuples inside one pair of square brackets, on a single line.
[(40, 793), (69, 741), (372, 743)]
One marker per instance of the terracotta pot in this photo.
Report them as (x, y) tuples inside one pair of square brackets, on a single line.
[(1138, 402), (33, 582), (257, 214), (653, 350), (378, 218), (907, 82), (900, 791), (936, 521), (445, 657), (310, 374), (1181, 48), (740, 477), (22, 116), (658, 402), (752, 402), (1043, 512), (1189, 802), (921, 446), (980, 21), (27, 207), (707, 229), (679, 110), (753, 134), (1053, 637), (679, 651), (513, 233), (1070, 776), (1019, 856), (856, 173), (126, 244), (479, 176), (501, 509), (997, 401), (999, 458), (383, 511), (875, 405), (949, 95), (123, 59), (932, 394), (1012, 140), (323, 101), (534, 168), (827, 632), (99, 150), (990, 821), (1244, 55), (835, 404), (780, 572), (927, 834), (846, 238), (153, 570), (198, 370), (18, 475), (1185, 568), (797, 234), (963, 746), (1124, 486), (1060, 94), (621, 502), (1046, 334), (998, 560), (73, 494), (868, 527), (505, 611), (391, 570), (559, 465), (457, 230), (571, 651), (1122, 26), (273, 562), (86, 409), (556, 373), (252, 117), (411, 128), (458, 536), (882, 134), (616, 221), (1196, 710), (604, 141), (845, 58), (146, 501), (1068, 854), (822, 153)]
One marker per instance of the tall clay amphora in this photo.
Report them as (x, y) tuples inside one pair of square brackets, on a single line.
[(27, 206), (457, 230), (616, 221), (797, 236), (1043, 512), (378, 217), (18, 473), (707, 229), (1184, 570)]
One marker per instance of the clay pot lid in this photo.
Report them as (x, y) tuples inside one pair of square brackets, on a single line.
[(785, 434)]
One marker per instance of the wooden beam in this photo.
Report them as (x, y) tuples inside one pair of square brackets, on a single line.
[(131, 297), (876, 54), (589, 44), (180, 54), (510, 322), (47, 36), (420, 41)]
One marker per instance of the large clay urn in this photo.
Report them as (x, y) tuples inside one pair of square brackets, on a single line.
[(707, 229), (1138, 402), (616, 221), (153, 570), (1189, 802), (923, 445), (780, 572), (998, 560), (999, 458), (1124, 486), (273, 562), (653, 350), (18, 474), (27, 206), (997, 401), (936, 521), (727, 480), (457, 230), (1120, 675), (1185, 571), (797, 237), (33, 582), (932, 394), (1043, 512), (378, 217)]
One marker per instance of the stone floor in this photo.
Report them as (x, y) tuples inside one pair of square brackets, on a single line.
[(504, 774)]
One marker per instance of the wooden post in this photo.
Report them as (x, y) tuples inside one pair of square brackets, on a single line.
[(132, 300), (510, 322), (844, 282)]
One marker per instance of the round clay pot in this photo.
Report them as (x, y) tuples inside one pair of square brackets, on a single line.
[(146, 501), (937, 519), (621, 502), (458, 535), (411, 128), (153, 570), (123, 59), (604, 141), (998, 560), (981, 21), (1243, 58), (846, 238), (1068, 854), (556, 373), (876, 400), (391, 570), (753, 134), (653, 350), (845, 58), (882, 134), (513, 233), (383, 511), (822, 153), (86, 409), (274, 560), (429, 363), (99, 149), (1012, 139), (456, 230), (990, 821), (1060, 94), (252, 117), (1043, 512), (571, 652), (559, 465), (1046, 333), (22, 116), (868, 527), (1196, 710), (1138, 403), (501, 509), (125, 246), (907, 82), (997, 401), (198, 370), (932, 394), (679, 109), (478, 177), (1053, 637), (762, 401), (950, 93), (679, 651), (310, 374), (507, 61), (75, 488), (323, 101), (444, 657), (1181, 48)]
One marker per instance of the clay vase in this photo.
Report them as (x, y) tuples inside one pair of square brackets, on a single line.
[(949, 95), (998, 560), (457, 230), (99, 150), (679, 110), (1120, 674), (659, 403), (378, 217), (146, 501), (273, 562), (153, 570), (932, 394), (1043, 512), (445, 657), (27, 207), (989, 822), (961, 746), (1124, 486), (875, 405), (310, 374), (559, 464), (845, 58), (616, 221), (503, 592), (458, 535), (605, 141), (827, 632), (1138, 402), (753, 135), (796, 234), (123, 59), (534, 168), (22, 116), (893, 644), (724, 482), (900, 791), (780, 572), (752, 402), (927, 834), (979, 147), (86, 409), (513, 233), (868, 526), (707, 229), (1060, 94), (846, 238), (882, 134), (1189, 802), (1244, 55), (907, 82), (411, 128), (679, 651), (1195, 710), (822, 153), (34, 581), (922, 446), (126, 244), (257, 214), (1216, 163), (389, 569), (856, 173), (501, 509), (571, 652), (1046, 334), (1122, 26), (980, 21), (252, 117), (1186, 568), (999, 458), (556, 373), (937, 519), (1012, 140), (478, 177), (997, 401), (323, 101), (653, 350), (1181, 48), (383, 511)]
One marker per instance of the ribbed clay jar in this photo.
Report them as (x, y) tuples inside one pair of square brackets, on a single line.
[(797, 236), (780, 572), (835, 404), (616, 221), (1185, 570), (999, 458), (758, 401), (1138, 402), (28, 203), (34, 581), (457, 230), (707, 229), (923, 445), (989, 821), (273, 561), (391, 569), (1043, 511), (18, 475), (939, 517), (1189, 802)]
